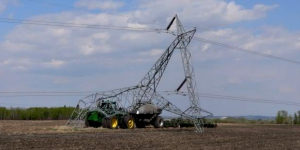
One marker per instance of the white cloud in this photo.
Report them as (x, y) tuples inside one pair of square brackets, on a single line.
[(206, 13), (17, 63), (19, 68), (237, 59), (286, 89), (80, 57), (153, 52), (131, 36), (4, 3), (99, 4), (136, 25), (16, 47), (77, 42), (234, 80), (235, 13), (106, 47), (61, 80), (2, 6), (95, 43), (54, 63), (205, 47), (156, 52), (270, 40)]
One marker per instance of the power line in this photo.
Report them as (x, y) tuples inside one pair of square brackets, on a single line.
[(38, 95), (235, 98), (246, 50), (61, 24), (245, 100), (67, 23), (73, 25), (214, 96), (13, 104), (47, 92)]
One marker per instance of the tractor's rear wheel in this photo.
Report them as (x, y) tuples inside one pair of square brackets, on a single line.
[(129, 122), (112, 122), (159, 122)]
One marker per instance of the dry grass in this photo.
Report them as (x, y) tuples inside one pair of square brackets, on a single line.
[(13, 127)]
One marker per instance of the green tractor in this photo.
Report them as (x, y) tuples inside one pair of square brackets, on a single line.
[(108, 115)]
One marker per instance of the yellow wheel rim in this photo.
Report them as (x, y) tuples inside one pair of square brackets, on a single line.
[(114, 122), (130, 123)]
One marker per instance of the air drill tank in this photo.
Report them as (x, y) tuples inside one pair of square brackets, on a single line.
[(146, 114)]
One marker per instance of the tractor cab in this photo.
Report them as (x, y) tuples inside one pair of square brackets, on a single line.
[(106, 104)]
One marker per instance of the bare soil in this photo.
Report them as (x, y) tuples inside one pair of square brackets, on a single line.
[(54, 135)]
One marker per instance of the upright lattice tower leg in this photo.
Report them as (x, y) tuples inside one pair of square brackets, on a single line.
[(190, 80)]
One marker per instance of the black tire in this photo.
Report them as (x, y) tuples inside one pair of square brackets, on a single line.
[(176, 125), (128, 122), (112, 122), (159, 122)]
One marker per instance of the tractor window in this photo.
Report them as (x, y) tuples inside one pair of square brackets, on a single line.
[(114, 106)]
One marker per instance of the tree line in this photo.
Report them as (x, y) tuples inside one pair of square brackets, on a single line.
[(36, 113), (63, 113), (283, 117), (243, 120)]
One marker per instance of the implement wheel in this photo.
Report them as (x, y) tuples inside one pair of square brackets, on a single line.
[(112, 122), (176, 125), (159, 122), (129, 122)]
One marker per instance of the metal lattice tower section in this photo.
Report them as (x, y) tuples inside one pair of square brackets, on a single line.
[(190, 80), (151, 80), (145, 92)]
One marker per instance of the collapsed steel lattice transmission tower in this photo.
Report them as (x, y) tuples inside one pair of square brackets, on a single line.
[(131, 98)]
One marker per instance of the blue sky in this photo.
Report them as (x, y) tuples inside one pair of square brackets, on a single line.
[(43, 58), (286, 15)]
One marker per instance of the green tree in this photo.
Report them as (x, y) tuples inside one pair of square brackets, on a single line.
[(36, 113), (288, 120), (296, 121), (282, 117)]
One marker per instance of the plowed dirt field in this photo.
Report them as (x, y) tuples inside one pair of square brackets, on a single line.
[(53, 135)]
